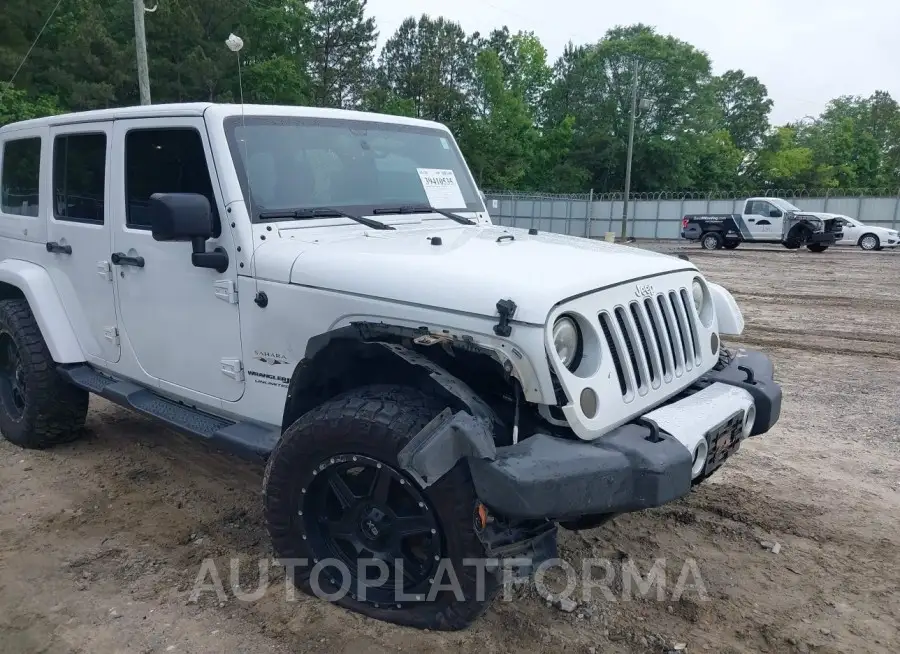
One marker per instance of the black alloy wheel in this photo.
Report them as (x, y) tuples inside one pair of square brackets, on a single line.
[(359, 511)]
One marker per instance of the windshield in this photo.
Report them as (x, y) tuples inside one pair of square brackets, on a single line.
[(784, 205), (356, 166)]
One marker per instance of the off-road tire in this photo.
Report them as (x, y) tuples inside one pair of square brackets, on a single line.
[(816, 247), (54, 411), (867, 243), (730, 245), (377, 421), (711, 241)]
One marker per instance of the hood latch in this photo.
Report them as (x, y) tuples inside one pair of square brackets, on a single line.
[(506, 309)]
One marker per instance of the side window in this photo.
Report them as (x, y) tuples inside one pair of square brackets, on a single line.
[(20, 177), (164, 161), (79, 177)]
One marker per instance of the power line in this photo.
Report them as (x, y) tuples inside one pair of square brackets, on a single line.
[(46, 22)]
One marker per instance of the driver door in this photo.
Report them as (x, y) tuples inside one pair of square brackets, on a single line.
[(851, 233), (181, 322), (764, 220)]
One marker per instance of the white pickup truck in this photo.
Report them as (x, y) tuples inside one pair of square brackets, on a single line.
[(764, 220)]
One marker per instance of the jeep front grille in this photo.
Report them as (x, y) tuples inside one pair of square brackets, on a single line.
[(652, 341)]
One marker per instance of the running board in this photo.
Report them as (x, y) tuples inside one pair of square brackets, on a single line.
[(247, 440)]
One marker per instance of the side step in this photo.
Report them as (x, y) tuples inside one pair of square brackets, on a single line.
[(244, 439)]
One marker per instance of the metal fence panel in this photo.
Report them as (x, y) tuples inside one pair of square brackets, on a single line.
[(659, 215)]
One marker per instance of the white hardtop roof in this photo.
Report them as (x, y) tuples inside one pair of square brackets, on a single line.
[(214, 111)]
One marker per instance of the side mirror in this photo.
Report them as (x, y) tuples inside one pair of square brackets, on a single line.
[(180, 217), (774, 213), (187, 217)]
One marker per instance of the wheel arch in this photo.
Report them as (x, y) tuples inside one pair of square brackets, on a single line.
[(349, 357), (23, 279)]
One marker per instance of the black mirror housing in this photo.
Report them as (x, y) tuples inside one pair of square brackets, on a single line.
[(180, 217), (774, 213)]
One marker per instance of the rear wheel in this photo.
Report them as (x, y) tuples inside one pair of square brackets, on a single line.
[(816, 247), (38, 408), (372, 540), (869, 242), (711, 241)]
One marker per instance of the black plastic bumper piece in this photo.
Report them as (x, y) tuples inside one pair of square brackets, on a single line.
[(823, 238), (633, 467), (754, 372)]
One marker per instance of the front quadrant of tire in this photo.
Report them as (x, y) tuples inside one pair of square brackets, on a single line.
[(334, 492), (38, 408)]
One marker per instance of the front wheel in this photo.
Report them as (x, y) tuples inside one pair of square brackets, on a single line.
[(362, 533), (711, 241), (816, 247), (869, 242)]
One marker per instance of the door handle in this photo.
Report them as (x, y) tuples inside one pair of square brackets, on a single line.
[(120, 259), (53, 246)]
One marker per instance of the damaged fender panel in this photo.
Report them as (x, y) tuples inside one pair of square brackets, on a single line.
[(477, 407), (341, 360), (445, 440)]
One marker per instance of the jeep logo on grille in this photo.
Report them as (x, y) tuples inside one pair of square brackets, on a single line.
[(643, 290)]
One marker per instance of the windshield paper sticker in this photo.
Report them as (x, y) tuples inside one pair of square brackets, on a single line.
[(441, 188)]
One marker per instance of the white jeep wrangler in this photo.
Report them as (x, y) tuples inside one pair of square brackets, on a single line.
[(324, 289)]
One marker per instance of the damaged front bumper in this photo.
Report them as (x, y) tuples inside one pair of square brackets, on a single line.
[(649, 462)]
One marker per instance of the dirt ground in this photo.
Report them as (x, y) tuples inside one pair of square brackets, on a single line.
[(101, 541)]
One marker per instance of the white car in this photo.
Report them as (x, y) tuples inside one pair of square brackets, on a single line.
[(867, 237), (323, 289)]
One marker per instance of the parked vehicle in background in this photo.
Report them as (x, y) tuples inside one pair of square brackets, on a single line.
[(866, 237), (764, 220)]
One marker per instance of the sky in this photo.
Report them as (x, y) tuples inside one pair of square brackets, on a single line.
[(806, 52)]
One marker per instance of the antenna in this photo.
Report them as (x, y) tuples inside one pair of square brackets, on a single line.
[(235, 43)]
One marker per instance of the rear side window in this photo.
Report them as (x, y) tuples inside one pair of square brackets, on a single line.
[(20, 177), (79, 177), (164, 161)]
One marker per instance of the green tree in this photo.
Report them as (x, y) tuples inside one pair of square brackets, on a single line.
[(593, 84), (343, 44), (430, 62), (501, 137), (745, 108), (16, 105), (784, 161)]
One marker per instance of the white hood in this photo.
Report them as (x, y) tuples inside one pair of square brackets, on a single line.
[(470, 271)]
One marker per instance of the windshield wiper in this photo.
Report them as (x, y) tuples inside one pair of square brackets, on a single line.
[(424, 208), (321, 212)]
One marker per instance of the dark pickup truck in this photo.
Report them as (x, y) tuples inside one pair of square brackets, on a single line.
[(765, 220)]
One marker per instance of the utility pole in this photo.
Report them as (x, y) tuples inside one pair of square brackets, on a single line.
[(634, 95), (140, 42)]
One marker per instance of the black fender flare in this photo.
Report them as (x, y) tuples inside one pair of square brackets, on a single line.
[(344, 359)]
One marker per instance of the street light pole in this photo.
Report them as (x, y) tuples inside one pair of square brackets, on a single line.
[(634, 95), (140, 42)]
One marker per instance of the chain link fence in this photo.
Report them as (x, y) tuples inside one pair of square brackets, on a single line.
[(658, 215)]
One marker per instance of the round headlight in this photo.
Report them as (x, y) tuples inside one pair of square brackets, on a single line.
[(567, 341), (697, 294)]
